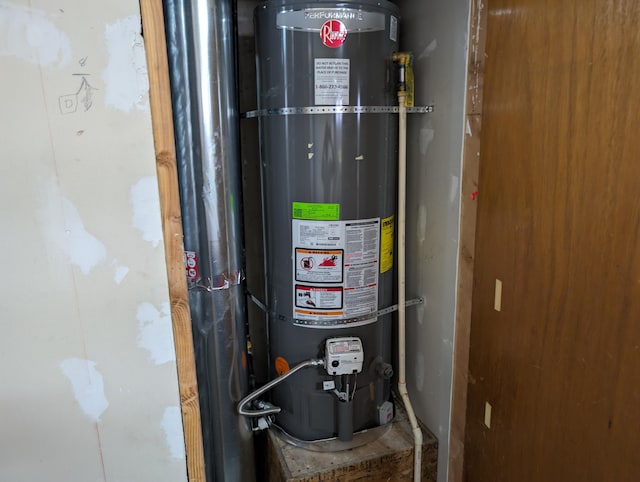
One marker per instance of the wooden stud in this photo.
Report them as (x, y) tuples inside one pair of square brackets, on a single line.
[(163, 136)]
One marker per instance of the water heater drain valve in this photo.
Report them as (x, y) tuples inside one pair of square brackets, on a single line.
[(343, 356)]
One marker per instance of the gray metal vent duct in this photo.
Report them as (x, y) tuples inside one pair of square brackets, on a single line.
[(201, 47)]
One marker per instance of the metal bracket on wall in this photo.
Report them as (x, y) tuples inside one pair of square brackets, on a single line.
[(383, 311), (347, 109)]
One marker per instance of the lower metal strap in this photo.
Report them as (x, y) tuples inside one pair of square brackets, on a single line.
[(364, 319)]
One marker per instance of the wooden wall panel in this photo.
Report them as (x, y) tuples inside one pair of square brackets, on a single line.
[(163, 135), (468, 209), (558, 224)]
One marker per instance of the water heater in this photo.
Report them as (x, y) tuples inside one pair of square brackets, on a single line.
[(328, 143)]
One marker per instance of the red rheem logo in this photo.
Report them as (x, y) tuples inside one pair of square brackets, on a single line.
[(333, 33)]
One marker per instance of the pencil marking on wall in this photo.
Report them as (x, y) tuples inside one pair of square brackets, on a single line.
[(68, 104), (87, 385), (85, 93), (125, 78), (172, 426), (145, 202), (155, 333), (29, 34)]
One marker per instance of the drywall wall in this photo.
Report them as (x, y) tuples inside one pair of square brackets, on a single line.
[(87, 360), (436, 31)]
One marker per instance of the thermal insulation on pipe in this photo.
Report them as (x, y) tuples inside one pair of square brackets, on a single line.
[(201, 48), (402, 223)]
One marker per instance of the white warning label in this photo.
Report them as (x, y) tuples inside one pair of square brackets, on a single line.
[(331, 81), (314, 297), (336, 271), (319, 266)]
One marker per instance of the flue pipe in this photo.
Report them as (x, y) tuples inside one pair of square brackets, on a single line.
[(201, 47)]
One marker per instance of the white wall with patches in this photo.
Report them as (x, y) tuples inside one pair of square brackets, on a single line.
[(436, 32), (87, 362)]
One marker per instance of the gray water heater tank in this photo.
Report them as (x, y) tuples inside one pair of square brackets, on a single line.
[(328, 144)]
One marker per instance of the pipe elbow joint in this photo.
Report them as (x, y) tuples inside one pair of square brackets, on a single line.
[(384, 370)]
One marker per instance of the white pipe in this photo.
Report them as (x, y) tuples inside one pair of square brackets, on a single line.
[(402, 222)]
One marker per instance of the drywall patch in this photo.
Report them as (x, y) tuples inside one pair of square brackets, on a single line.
[(145, 203), (126, 81), (422, 223), (428, 50), (426, 137), (172, 426), (81, 247), (29, 34), (87, 385), (453, 189), (119, 271), (155, 332), (67, 232)]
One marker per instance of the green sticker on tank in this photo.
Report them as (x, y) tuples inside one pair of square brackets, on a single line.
[(316, 211)]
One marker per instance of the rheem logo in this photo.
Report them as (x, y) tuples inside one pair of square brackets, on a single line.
[(333, 33)]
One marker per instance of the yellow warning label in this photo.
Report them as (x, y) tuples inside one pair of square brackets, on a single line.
[(386, 244)]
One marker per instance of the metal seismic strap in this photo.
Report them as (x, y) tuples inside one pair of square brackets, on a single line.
[(332, 323), (347, 109)]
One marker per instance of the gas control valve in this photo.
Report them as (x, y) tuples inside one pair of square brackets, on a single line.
[(343, 356)]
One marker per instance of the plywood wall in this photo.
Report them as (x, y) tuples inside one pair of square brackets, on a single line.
[(87, 357)]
